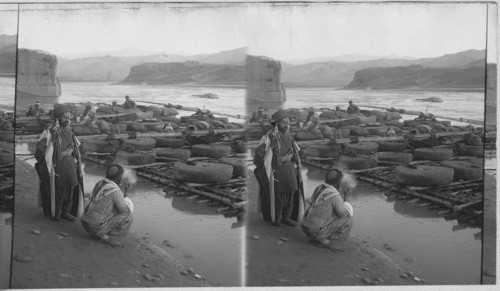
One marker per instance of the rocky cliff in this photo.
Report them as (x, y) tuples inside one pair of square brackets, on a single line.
[(264, 80), (491, 94), (340, 74), (187, 73), (111, 68), (419, 77), (37, 75)]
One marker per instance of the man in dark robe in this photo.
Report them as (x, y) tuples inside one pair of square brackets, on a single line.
[(353, 108), (58, 155), (129, 103), (277, 171)]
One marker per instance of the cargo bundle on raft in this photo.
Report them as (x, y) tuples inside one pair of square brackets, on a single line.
[(198, 156), (429, 162)]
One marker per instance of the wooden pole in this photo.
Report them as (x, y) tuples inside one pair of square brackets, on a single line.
[(36, 137), (406, 191), (253, 143), (466, 205), (167, 182), (411, 112), (187, 108)]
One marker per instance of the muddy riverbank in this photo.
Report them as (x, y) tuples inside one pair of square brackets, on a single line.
[(50, 254), (283, 256)]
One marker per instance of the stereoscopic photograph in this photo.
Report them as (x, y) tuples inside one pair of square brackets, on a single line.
[(248, 144), (128, 172), (369, 144)]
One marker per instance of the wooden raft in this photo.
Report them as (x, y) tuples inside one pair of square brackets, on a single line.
[(457, 196), (231, 193)]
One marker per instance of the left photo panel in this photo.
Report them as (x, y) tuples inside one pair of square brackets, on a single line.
[(129, 167), (8, 44)]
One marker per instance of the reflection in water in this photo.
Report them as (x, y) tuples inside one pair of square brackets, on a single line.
[(411, 210), (191, 207), (5, 248), (443, 251)]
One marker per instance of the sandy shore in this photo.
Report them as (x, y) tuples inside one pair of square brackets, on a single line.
[(62, 255), (283, 256)]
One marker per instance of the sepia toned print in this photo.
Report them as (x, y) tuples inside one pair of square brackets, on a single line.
[(370, 145), (127, 122)]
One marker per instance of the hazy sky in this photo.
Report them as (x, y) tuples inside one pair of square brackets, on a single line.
[(418, 30), (8, 19), (183, 29), (281, 31)]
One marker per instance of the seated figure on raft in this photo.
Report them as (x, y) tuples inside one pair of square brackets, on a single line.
[(129, 103), (353, 108), (109, 211), (328, 217)]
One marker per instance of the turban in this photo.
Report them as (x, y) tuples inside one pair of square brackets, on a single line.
[(279, 115), (334, 177), (114, 172), (59, 110)]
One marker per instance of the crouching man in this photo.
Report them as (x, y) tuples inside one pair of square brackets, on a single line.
[(328, 217), (109, 211)]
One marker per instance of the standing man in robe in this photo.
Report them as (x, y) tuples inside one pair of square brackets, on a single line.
[(277, 171), (58, 155)]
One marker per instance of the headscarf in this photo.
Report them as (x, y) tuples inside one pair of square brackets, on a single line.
[(279, 115), (59, 110)]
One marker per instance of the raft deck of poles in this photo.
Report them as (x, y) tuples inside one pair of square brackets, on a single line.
[(230, 194), (459, 200)]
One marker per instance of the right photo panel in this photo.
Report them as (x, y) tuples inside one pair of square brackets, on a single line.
[(372, 144)]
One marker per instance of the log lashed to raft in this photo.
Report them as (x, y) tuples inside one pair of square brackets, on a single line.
[(412, 112), (440, 201), (187, 108), (36, 137), (217, 197), (254, 143)]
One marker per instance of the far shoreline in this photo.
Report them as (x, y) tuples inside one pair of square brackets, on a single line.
[(242, 86)]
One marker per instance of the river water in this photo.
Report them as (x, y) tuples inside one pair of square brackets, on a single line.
[(7, 91), (469, 105), (5, 248)]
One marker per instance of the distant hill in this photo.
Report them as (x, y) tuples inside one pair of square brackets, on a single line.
[(8, 46), (330, 74), (189, 72), (419, 77), (340, 74), (114, 69), (6, 40), (344, 58)]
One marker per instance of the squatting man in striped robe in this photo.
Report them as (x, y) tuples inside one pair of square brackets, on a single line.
[(328, 217), (109, 211), (277, 171)]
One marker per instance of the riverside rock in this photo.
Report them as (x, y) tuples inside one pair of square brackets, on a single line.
[(36, 77), (264, 80)]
